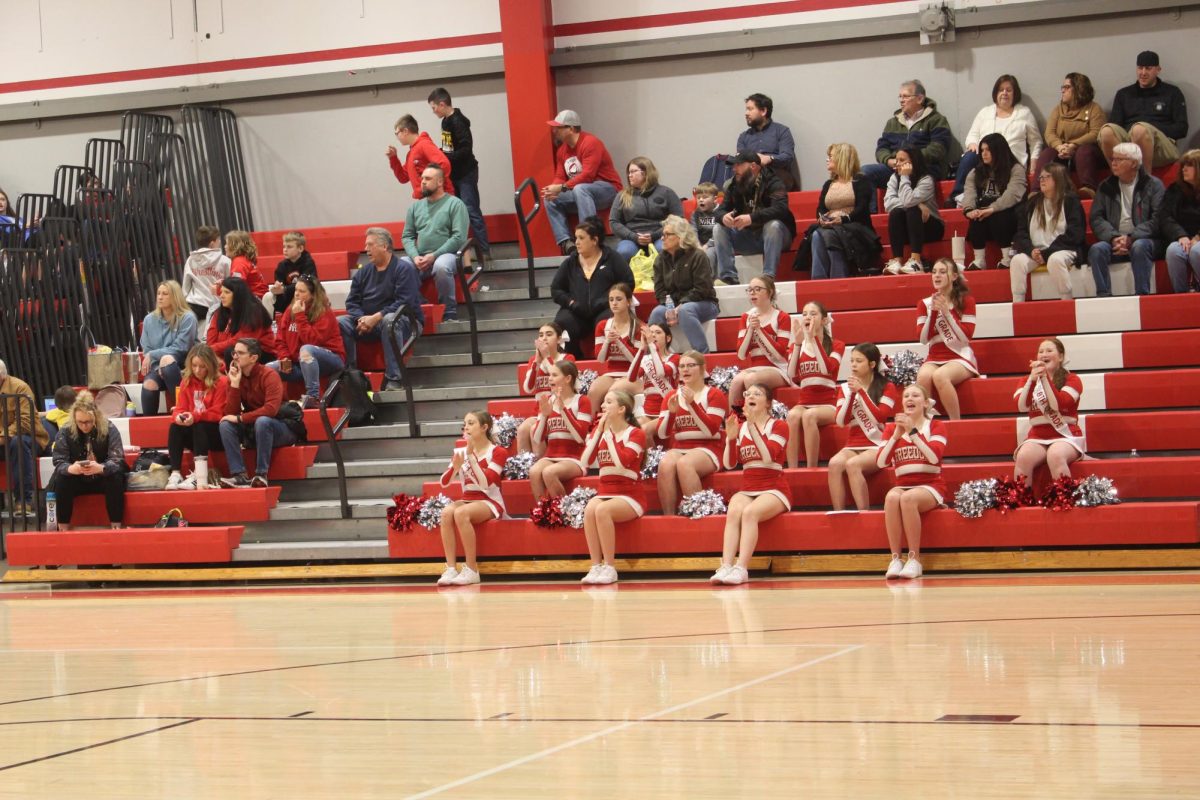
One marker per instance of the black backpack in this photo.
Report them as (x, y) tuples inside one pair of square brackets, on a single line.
[(354, 394)]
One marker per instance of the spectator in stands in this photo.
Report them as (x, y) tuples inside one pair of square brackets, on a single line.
[(1125, 220), (764, 338), (691, 428), (562, 424), (479, 469), (459, 146), (64, 398), (1008, 118), (1072, 132), (617, 447), (1181, 222), (23, 438), (310, 340), (657, 370), (195, 424), (916, 126), (758, 444), (704, 219), (585, 179), (1051, 397), (582, 282), (243, 255), (253, 399), (843, 236), (616, 346), (639, 210), (913, 447), (771, 141), (946, 323), (683, 284), (10, 224), (865, 401), (238, 316), (203, 272), (88, 459), (1051, 228), (422, 153), (435, 230), (1150, 113), (754, 216), (296, 261), (913, 219), (547, 351), (814, 361), (995, 187), (168, 332), (378, 291)]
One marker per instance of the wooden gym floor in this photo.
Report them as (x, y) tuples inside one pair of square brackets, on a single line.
[(979, 687)]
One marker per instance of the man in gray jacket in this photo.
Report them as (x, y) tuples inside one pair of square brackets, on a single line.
[(1125, 221)]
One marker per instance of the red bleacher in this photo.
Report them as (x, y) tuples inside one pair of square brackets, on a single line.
[(190, 545)]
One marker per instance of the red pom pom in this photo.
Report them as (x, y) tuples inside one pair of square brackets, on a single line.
[(1010, 494), (547, 513), (1061, 494), (403, 511)]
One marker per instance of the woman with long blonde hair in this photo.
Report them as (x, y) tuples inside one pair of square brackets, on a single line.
[(196, 421), (88, 458), (168, 332)]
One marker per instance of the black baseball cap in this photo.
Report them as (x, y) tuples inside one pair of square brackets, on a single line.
[(743, 157)]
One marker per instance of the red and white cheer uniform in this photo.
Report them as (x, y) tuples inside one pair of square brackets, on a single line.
[(761, 453), (565, 430), (619, 457), (480, 477), (917, 457), (658, 376), (1052, 417), (948, 335), (865, 418), (615, 356), (815, 371), (768, 346), (698, 425)]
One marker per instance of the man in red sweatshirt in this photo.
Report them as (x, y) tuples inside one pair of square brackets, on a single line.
[(421, 153), (584, 180), (255, 394)]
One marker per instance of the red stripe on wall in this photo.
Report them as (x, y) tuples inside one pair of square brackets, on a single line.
[(256, 62), (711, 15)]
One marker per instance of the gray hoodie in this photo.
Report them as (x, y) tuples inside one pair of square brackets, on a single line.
[(204, 267)]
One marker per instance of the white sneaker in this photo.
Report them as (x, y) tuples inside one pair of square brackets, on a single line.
[(447, 577), (912, 266), (607, 574), (737, 576), (592, 575), (892, 267), (721, 574), (466, 577), (894, 568), (174, 481), (188, 484), (912, 568)]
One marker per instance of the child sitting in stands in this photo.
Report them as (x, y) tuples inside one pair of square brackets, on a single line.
[(704, 218), (64, 398)]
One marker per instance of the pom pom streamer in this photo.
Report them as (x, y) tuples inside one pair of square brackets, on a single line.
[(516, 468), (1095, 491), (903, 368), (584, 382), (1061, 494), (1010, 495), (778, 410), (704, 503), (650, 463), (430, 514), (505, 429), (547, 513), (573, 505), (975, 497), (403, 511), (721, 377)]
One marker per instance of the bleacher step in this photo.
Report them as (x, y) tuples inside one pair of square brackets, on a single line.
[(327, 551)]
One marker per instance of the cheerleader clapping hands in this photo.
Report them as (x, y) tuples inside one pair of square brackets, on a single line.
[(479, 467), (564, 418), (813, 365), (865, 402), (946, 323), (617, 447), (692, 425), (616, 346), (537, 381), (1051, 396), (763, 341), (658, 372)]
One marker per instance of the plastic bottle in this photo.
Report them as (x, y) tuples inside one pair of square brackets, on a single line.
[(130, 409), (670, 304), (201, 472), (51, 512)]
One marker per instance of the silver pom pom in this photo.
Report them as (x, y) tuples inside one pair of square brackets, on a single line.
[(573, 505), (778, 410), (704, 503), (650, 464), (975, 497), (721, 377), (430, 515), (516, 468), (903, 368), (504, 429), (584, 382), (1096, 491)]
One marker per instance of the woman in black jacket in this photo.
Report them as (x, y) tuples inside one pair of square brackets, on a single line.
[(1180, 223), (1051, 228), (843, 241), (88, 459), (580, 287)]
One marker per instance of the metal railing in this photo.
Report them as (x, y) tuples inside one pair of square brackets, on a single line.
[(524, 219), (469, 269), (18, 513), (402, 349)]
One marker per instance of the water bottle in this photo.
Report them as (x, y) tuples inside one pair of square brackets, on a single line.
[(51, 512), (670, 304), (130, 409)]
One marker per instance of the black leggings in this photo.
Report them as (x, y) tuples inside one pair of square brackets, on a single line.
[(579, 328), (905, 227), (199, 437), (68, 487), (1000, 228)]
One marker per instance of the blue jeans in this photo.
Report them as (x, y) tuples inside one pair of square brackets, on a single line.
[(269, 433), (321, 363), (627, 249), (1178, 263), (443, 272), (826, 263), (771, 240), (19, 454), (692, 317), (1141, 256), (168, 377), (584, 199), (467, 189), (350, 337), (969, 162)]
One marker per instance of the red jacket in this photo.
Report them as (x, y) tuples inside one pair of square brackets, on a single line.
[(420, 155), (587, 162), (247, 270), (203, 403), (222, 340), (297, 331)]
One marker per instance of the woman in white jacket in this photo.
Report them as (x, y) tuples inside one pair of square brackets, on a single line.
[(1007, 117)]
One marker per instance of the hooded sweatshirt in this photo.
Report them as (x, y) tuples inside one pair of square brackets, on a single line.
[(204, 267)]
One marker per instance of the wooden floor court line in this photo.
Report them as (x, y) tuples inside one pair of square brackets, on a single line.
[(94, 745)]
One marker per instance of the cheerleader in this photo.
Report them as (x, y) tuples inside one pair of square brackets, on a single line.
[(616, 346), (537, 380), (564, 418), (691, 426), (763, 342), (865, 402), (914, 447), (759, 444), (617, 447), (658, 371), (479, 468), (813, 364), (1051, 396), (946, 323)]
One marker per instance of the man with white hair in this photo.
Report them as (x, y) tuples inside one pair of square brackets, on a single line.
[(22, 435), (1125, 220)]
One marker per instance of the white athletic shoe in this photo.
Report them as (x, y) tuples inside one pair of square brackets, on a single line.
[(174, 481), (447, 577), (721, 574), (592, 575), (912, 568), (912, 266), (737, 576), (607, 574), (894, 568), (188, 484), (466, 577), (892, 267)]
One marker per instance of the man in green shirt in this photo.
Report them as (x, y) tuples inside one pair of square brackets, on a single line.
[(435, 229)]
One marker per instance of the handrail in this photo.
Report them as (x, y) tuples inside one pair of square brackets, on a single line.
[(17, 471), (473, 248), (331, 433), (401, 349), (524, 220)]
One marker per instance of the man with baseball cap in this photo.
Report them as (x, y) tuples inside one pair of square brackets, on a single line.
[(585, 179), (1150, 113), (754, 217)]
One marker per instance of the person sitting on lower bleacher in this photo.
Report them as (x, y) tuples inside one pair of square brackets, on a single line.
[(88, 459), (296, 261), (993, 192), (1125, 219), (946, 323), (865, 401), (764, 338), (196, 422), (64, 398), (168, 333), (1051, 229), (691, 427), (547, 346), (243, 255), (913, 219), (758, 444), (251, 403), (479, 469), (913, 447), (683, 284), (754, 217), (310, 340), (842, 241), (581, 283), (239, 316), (657, 369), (616, 346), (1051, 397), (814, 362), (563, 420)]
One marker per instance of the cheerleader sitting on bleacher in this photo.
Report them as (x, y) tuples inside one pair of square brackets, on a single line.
[(617, 447), (813, 364), (946, 323), (657, 370), (537, 380), (692, 428), (1051, 396), (616, 346), (865, 401), (479, 468), (763, 341), (563, 421)]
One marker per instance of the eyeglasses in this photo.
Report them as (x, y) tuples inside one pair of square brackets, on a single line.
[(755, 289), (241, 353), (1045, 177), (670, 233)]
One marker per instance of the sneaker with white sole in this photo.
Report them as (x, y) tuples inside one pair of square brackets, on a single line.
[(1005, 261), (593, 573), (912, 568), (737, 576), (892, 267), (188, 484), (466, 577), (239, 481), (912, 266), (894, 568), (174, 481), (258, 482), (447, 577), (721, 573), (607, 574)]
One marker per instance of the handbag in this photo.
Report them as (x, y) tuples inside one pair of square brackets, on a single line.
[(151, 479), (642, 266), (172, 519), (104, 366)]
